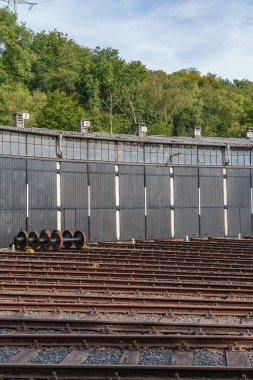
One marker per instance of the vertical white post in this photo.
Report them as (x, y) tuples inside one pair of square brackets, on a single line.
[(117, 202), (27, 200), (199, 202), (58, 195), (88, 200), (251, 200), (145, 200), (225, 197), (172, 202)]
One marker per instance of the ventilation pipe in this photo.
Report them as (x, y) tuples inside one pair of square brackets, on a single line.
[(249, 133), (141, 129), (83, 126), (196, 132), (19, 119)]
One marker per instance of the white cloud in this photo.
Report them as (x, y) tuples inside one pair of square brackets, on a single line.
[(214, 35)]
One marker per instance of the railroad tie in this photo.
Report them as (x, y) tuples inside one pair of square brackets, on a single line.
[(248, 320), (237, 359), (208, 319), (130, 357), (24, 356), (182, 358), (76, 357), (167, 318)]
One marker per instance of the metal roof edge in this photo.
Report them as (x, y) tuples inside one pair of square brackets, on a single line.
[(205, 141)]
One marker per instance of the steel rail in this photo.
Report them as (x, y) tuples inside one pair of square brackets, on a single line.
[(114, 283), (110, 287), (137, 273), (122, 372), (118, 299), (183, 341), (68, 325), (58, 289), (171, 245), (178, 308), (133, 275), (152, 267), (143, 254), (230, 264), (190, 246), (138, 253)]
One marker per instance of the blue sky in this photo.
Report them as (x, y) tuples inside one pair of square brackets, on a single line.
[(212, 35)]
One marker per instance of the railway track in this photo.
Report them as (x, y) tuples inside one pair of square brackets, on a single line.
[(125, 372), (16, 325), (111, 304), (124, 356), (130, 341), (138, 287), (153, 310)]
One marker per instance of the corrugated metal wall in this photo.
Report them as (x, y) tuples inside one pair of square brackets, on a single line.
[(211, 201), (186, 202), (158, 224), (132, 202), (88, 199), (102, 202), (12, 198), (74, 196), (42, 195), (239, 202)]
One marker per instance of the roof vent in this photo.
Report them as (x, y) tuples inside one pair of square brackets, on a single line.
[(19, 119), (141, 129), (249, 133), (83, 126), (196, 132)]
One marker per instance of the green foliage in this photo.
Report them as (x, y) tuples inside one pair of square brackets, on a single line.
[(17, 98), (16, 56), (58, 82), (58, 62), (60, 112)]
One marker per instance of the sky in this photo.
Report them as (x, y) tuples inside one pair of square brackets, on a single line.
[(211, 35)]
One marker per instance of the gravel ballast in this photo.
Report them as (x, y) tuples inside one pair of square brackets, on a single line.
[(37, 314), (229, 319), (209, 357), (109, 317), (156, 356), (250, 355), (7, 353), (188, 318), (104, 356), (53, 355), (73, 316), (147, 317), (4, 314), (5, 331)]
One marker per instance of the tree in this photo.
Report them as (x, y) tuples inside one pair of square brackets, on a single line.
[(60, 112), (58, 63), (101, 84), (17, 98), (16, 56), (54, 79), (175, 100), (224, 112), (132, 104)]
